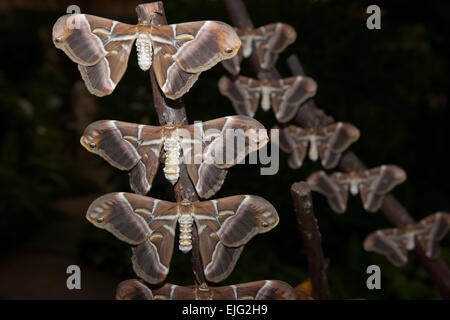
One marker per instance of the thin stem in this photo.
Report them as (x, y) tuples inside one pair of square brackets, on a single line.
[(174, 111), (392, 209), (301, 196)]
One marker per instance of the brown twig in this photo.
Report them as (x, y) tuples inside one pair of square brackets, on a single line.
[(240, 18), (392, 209), (174, 111), (301, 195)]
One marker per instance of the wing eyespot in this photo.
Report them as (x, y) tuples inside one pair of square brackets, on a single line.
[(100, 220)]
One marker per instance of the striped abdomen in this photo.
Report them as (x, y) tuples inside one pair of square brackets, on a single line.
[(185, 222), (171, 168), (144, 51)]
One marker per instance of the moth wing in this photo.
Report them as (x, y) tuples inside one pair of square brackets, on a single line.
[(149, 145), (435, 228), (146, 223), (265, 290), (336, 194), (383, 242), (225, 226), (295, 91), (244, 98), (218, 145), (213, 42), (133, 290), (182, 51), (126, 146), (340, 136), (274, 38), (101, 48), (384, 179)]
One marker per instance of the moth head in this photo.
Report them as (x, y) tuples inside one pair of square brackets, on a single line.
[(61, 30), (92, 135)]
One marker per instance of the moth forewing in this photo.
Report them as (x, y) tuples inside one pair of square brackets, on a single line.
[(133, 290), (383, 243), (113, 213), (431, 230), (342, 135), (99, 46), (270, 40), (105, 138), (296, 90), (253, 215), (336, 194)]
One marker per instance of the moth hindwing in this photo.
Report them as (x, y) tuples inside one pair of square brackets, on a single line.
[(396, 242), (207, 148), (284, 96), (328, 142), (372, 185), (224, 226), (258, 290), (178, 52)]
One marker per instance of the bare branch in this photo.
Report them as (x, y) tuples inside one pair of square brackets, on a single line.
[(301, 196)]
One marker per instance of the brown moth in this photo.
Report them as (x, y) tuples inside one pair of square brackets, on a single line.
[(258, 290), (179, 52), (285, 95), (202, 146), (224, 226), (372, 185), (268, 42), (328, 142), (395, 243)]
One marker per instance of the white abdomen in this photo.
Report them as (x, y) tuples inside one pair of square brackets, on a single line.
[(265, 101), (185, 222), (171, 163), (144, 51)]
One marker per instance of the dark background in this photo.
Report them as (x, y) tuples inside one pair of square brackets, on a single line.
[(391, 83)]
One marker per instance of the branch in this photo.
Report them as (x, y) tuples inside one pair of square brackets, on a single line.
[(174, 111), (392, 209), (240, 18), (301, 195)]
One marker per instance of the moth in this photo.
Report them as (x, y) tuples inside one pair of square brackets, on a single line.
[(284, 95), (328, 142), (268, 42), (179, 52), (395, 243), (207, 148), (224, 226), (372, 185), (258, 290)]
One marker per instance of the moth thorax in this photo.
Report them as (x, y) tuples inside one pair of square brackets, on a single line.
[(171, 163), (265, 102), (247, 46), (144, 51), (185, 222), (313, 151)]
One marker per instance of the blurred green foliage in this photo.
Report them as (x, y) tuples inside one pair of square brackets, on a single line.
[(391, 83)]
